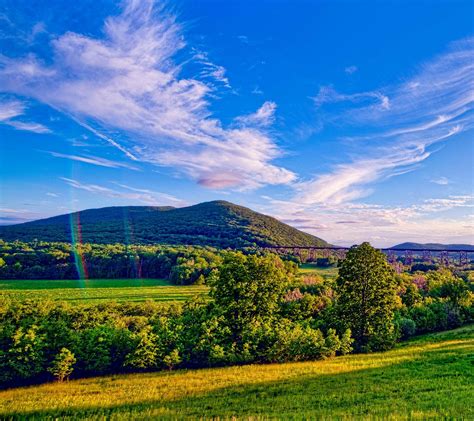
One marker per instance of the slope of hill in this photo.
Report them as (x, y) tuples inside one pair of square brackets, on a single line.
[(218, 223), (433, 246)]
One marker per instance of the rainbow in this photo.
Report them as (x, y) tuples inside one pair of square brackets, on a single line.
[(76, 242)]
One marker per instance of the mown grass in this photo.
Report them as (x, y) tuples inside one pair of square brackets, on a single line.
[(99, 290), (427, 378)]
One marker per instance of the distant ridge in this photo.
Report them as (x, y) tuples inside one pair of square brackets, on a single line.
[(434, 246), (217, 223)]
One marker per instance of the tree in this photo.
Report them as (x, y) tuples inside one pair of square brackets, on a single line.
[(366, 290), (62, 366), (26, 355), (172, 359), (249, 289), (144, 355)]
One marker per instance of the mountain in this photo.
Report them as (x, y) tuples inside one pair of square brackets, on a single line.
[(218, 223), (434, 246)]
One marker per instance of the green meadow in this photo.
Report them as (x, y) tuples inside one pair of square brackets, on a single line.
[(102, 290), (430, 377), (99, 290), (325, 272)]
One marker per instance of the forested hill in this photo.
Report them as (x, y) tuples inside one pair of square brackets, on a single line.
[(218, 224), (433, 246)]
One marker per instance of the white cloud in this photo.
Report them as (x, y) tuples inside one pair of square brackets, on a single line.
[(130, 82), (11, 109), (211, 70), (145, 196), (442, 181), (405, 122), (382, 225), (351, 69), (264, 116), (102, 162), (257, 90), (328, 94)]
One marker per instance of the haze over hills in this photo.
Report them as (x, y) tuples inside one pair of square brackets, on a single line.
[(433, 246), (217, 223)]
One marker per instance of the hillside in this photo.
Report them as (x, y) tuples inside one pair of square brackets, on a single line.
[(433, 246), (218, 223), (428, 378)]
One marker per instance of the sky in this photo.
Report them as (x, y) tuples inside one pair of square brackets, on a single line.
[(350, 120)]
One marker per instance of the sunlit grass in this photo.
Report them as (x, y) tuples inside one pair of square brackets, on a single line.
[(430, 377), (99, 290), (325, 272)]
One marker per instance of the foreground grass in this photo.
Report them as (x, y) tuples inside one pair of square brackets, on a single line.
[(430, 377), (99, 290)]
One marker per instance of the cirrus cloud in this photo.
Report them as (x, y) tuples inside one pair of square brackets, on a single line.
[(130, 81)]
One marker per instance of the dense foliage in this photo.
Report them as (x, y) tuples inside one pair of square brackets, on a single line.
[(218, 224), (243, 323), (40, 260), (367, 298), (261, 309)]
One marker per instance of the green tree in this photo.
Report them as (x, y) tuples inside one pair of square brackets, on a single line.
[(249, 289), (366, 289), (26, 355), (172, 359), (62, 366), (144, 355)]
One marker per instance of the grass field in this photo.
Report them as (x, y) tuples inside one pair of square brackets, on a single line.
[(430, 377), (99, 290), (325, 272)]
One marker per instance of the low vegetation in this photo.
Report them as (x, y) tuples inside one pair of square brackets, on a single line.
[(430, 377)]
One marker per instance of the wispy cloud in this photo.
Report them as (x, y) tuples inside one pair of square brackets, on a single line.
[(404, 121), (11, 109), (328, 95), (10, 216), (102, 162), (133, 194), (264, 116), (383, 225), (130, 82), (211, 70), (351, 69), (442, 181)]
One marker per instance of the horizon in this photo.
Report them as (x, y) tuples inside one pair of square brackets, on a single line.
[(344, 246), (291, 111)]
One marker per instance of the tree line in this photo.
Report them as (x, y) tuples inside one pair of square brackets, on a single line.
[(260, 310), (42, 260)]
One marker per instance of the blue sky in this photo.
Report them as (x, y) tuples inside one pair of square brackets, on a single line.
[(351, 120)]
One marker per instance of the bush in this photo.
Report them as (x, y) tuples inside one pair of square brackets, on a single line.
[(407, 327)]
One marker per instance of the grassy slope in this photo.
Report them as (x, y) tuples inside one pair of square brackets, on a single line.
[(430, 377), (99, 290)]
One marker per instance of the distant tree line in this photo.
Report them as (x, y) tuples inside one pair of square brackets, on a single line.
[(43, 260), (261, 310)]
